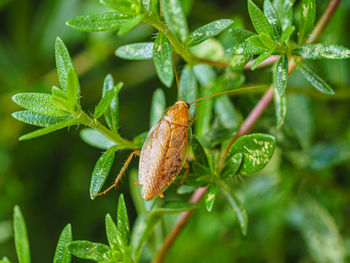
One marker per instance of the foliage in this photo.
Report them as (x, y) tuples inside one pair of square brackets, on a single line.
[(218, 158)]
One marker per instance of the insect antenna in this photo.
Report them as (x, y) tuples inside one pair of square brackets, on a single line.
[(228, 92)]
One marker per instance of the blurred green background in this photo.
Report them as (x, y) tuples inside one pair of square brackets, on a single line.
[(299, 206)]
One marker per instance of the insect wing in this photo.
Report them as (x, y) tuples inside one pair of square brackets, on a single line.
[(152, 156)]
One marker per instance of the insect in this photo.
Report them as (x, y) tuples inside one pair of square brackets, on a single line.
[(164, 151)]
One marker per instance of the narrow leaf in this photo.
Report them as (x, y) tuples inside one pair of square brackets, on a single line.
[(210, 196), (232, 165), (175, 18), (281, 74), (73, 88), (226, 112), (96, 139), (49, 129), (89, 250), (21, 236), (307, 19), (101, 171), (259, 20), (39, 103), (257, 150), (112, 233), (106, 100), (63, 64), (35, 119), (280, 107), (127, 7), (199, 152), (320, 232), (188, 87), (130, 25), (136, 51), (252, 46), (62, 254), (315, 80), (284, 9), (99, 22), (163, 61), (112, 112), (57, 92), (123, 220), (263, 56), (273, 19), (286, 34), (157, 107), (319, 51), (237, 208), (207, 31)]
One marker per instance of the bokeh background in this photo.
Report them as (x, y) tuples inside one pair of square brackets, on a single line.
[(299, 206)]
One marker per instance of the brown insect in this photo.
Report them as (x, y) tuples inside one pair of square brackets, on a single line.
[(163, 153)]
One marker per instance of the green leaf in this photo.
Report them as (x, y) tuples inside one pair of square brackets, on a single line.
[(96, 139), (21, 236), (89, 250), (127, 7), (5, 260), (319, 51), (106, 100), (63, 64), (109, 21), (101, 171), (207, 31), (226, 112), (272, 17), (267, 41), (280, 75), (307, 19), (157, 107), (35, 119), (286, 34), (252, 46), (284, 9), (210, 196), (140, 139), (112, 112), (240, 35), (280, 106), (49, 129), (237, 208), (188, 87), (123, 220), (163, 61), (112, 233), (62, 254), (259, 20), (257, 150), (63, 104), (263, 56), (136, 51), (57, 92), (175, 18), (130, 25), (39, 103), (315, 80), (320, 231), (199, 152), (73, 88), (232, 165)]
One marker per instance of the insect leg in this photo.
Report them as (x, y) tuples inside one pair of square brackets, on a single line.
[(187, 167), (126, 164)]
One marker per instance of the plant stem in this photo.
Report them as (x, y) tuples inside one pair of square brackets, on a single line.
[(245, 128), (95, 124)]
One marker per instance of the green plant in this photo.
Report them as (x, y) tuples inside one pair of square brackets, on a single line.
[(220, 151)]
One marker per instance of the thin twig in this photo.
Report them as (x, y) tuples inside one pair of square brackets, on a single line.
[(245, 128)]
